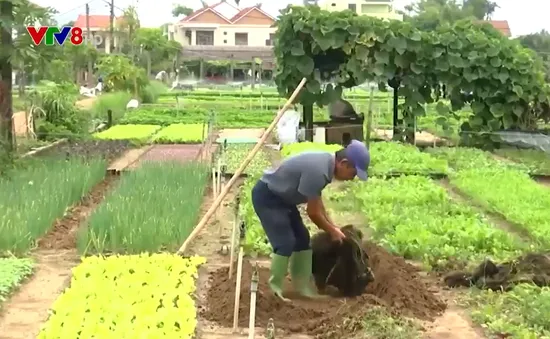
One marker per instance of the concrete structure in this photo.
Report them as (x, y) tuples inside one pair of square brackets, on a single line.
[(99, 28), (382, 9), (224, 25)]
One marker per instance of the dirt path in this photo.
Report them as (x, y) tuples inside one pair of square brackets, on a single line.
[(28, 308)]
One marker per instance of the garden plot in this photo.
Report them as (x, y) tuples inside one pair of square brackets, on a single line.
[(13, 272), (107, 149), (169, 153), (398, 289), (39, 194), (182, 134), (230, 134), (537, 162), (140, 133), (154, 208), (234, 154), (127, 297), (387, 158), (502, 187)]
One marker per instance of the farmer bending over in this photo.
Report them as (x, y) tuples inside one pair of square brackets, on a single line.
[(298, 180)]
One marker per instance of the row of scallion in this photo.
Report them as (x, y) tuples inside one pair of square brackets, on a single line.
[(34, 196), (153, 208)]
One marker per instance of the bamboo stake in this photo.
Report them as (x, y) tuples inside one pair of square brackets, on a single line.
[(253, 290), (238, 291), (233, 241), (202, 223), (214, 187), (218, 189)]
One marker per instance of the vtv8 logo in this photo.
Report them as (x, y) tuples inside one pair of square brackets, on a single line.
[(49, 35)]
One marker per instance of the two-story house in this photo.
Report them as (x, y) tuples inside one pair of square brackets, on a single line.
[(382, 9), (99, 29), (224, 24)]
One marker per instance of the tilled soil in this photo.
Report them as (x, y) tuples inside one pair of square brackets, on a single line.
[(396, 287), (169, 153), (64, 231), (108, 149)]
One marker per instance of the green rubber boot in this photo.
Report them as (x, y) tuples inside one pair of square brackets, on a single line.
[(300, 273), (279, 268)]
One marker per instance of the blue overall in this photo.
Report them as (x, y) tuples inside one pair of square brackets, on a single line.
[(281, 222)]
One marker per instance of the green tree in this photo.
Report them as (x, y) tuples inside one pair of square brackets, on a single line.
[(181, 10), (540, 44), (27, 56), (157, 52), (126, 30), (121, 74), (427, 15)]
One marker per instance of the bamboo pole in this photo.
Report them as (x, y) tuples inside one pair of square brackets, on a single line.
[(253, 290), (214, 186), (238, 291), (233, 241), (219, 186), (202, 223)]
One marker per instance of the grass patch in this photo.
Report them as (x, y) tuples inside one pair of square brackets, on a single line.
[(34, 197), (154, 208)]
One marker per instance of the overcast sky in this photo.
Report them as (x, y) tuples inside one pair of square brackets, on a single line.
[(524, 16)]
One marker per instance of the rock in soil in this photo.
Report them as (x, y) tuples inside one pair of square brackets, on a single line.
[(396, 287)]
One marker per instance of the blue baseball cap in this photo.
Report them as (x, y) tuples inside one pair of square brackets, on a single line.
[(358, 154)]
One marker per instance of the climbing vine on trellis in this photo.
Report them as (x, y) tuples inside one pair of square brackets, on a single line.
[(473, 63)]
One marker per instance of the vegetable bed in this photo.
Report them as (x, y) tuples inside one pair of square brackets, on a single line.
[(34, 197), (140, 296), (512, 194), (154, 208), (460, 158), (128, 132), (224, 117), (387, 158), (416, 218), (520, 313), (181, 134), (537, 162), (411, 216), (12, 272), (233, 156), (257, 94)]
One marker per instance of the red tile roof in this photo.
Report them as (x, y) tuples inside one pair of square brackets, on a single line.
[(202, 10), (96, 21), (502, 26), (242, 13), (235, 18)]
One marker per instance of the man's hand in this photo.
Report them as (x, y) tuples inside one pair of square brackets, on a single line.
[(337, 235)]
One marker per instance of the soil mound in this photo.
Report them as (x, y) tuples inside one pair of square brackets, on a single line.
[(532, 268), (396, 287)]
